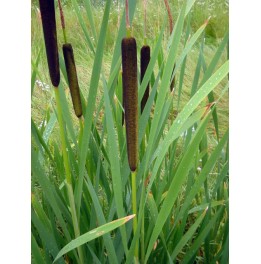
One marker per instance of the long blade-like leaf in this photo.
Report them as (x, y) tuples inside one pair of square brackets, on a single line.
[(97, 232)]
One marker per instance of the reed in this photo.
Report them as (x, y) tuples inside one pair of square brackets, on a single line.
[(50, 38), (72, 78)]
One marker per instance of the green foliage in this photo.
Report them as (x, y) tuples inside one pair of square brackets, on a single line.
[(182, 173)]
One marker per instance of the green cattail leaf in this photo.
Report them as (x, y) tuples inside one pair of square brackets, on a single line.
[(200, 239), (72, 78), (144, 62), (130, 94), (36, 252), (188, 235), (176, 184), (97, 65), (203, 175), (50, 37), (97, 232)]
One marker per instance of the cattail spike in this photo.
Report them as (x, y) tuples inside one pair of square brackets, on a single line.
[(130, 94), (50, 37), (144, 62), (72, 78)]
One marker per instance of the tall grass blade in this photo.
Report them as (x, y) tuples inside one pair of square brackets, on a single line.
[(200, 238), (115, 165), (187, 236), (91, 103), (97, 232), (175, 186)]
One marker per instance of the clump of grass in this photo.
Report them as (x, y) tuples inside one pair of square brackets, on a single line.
[(72, 78), (50, 37)]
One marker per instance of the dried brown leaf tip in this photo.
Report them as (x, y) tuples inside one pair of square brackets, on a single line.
[(144, 62), (130, 95), (50, 38), (72, 78)]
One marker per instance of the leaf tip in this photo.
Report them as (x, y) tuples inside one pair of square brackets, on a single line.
[(129, 217), (207, 20)]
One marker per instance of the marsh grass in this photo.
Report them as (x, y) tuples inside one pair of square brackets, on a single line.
[(182, 176)]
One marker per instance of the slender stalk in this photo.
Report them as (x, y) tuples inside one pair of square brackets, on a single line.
[(62, 20), (145, 21), (134, 210), (68, 172), (169, 15), (128, 28)]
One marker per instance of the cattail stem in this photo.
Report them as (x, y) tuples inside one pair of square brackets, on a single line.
[(145, 21), (68, 172), (127, 18), (169, 15), (62, 20), (134, 210)]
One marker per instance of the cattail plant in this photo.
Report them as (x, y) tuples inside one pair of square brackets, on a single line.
[(72, 78), (172, 84), (130, 99), (50, 38), (49, 27)]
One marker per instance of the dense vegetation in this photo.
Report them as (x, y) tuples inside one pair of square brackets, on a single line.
[(182, 173)]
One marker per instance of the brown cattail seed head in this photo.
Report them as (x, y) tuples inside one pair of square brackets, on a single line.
[(72, 78), (130, 95), (144, 62), (50, 38)]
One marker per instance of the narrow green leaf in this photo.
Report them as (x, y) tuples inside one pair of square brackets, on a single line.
[(91, 103), (114, 161), (200, 238), (37, 256), (176, 184), (204, 206), (83, 26), (188, 235), (34, 73), (203, 175), (97, 232), (189, 46), (88, 8)]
